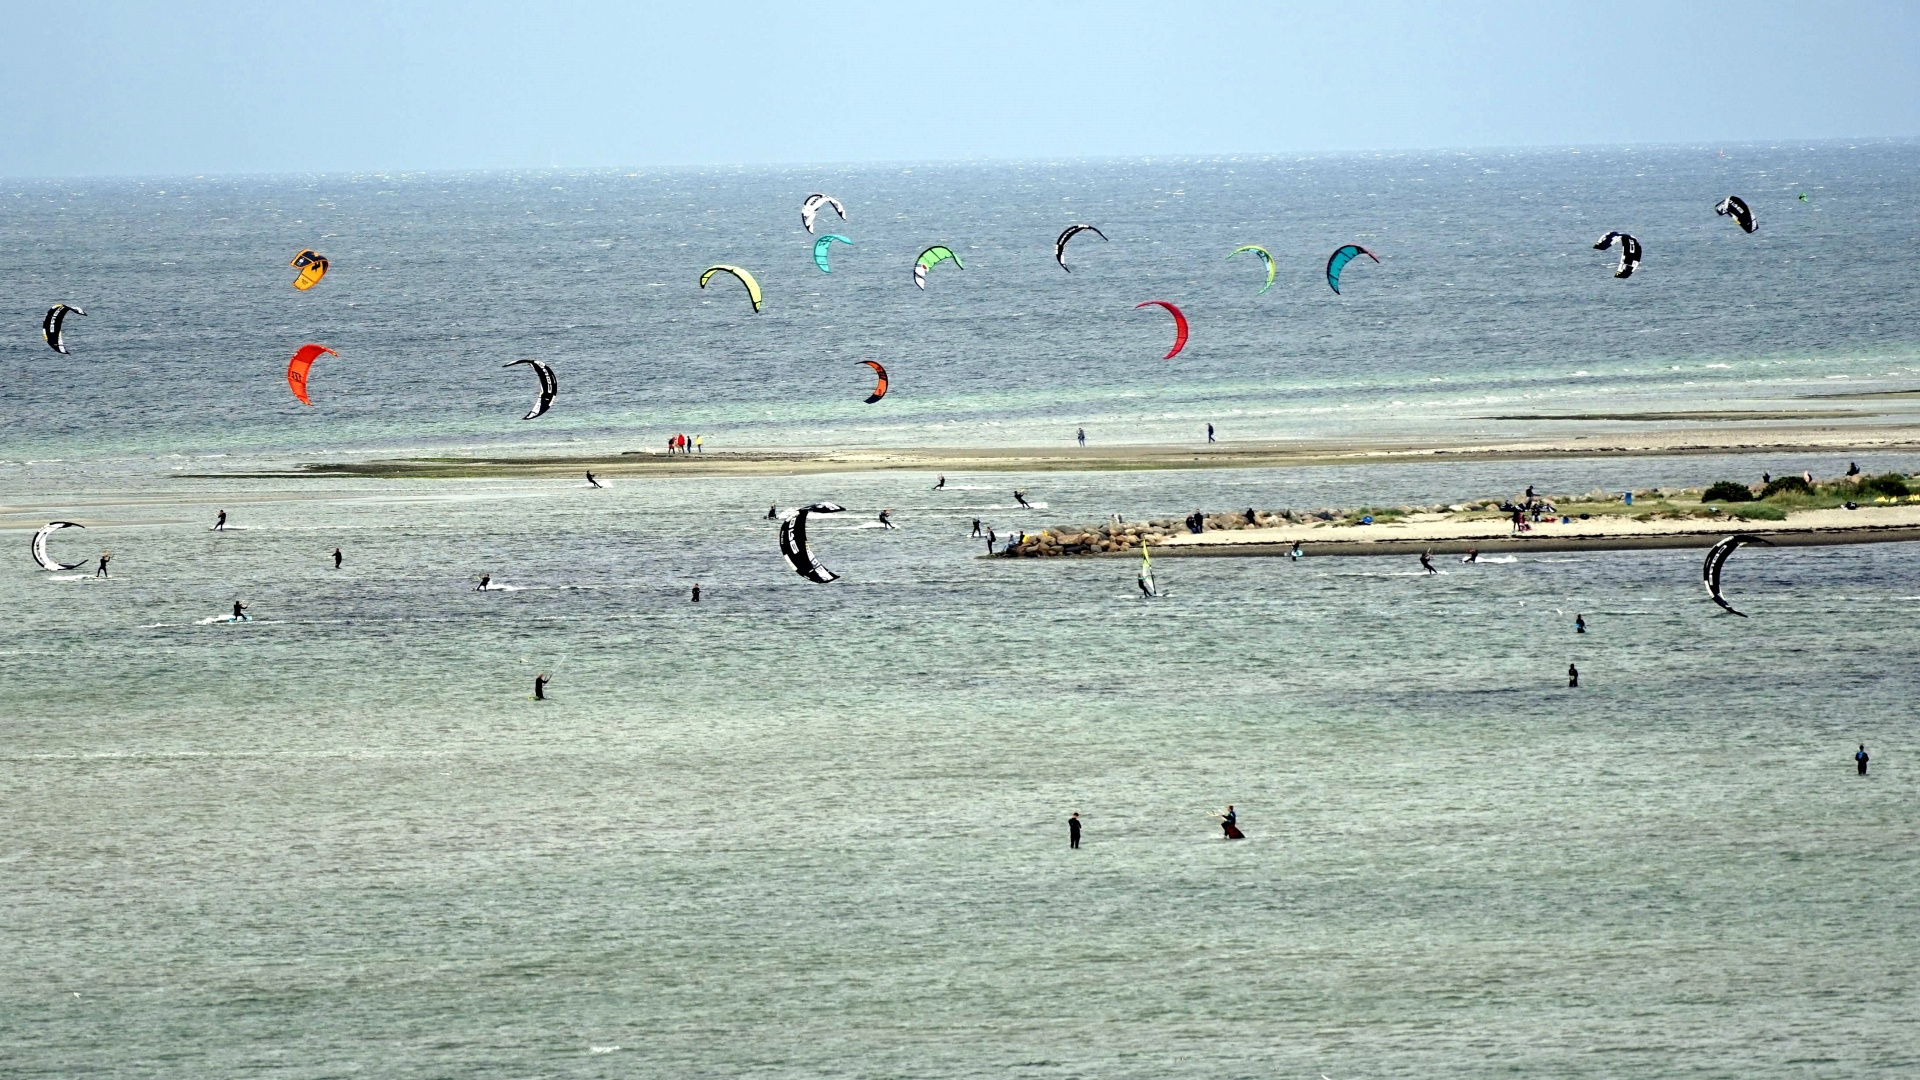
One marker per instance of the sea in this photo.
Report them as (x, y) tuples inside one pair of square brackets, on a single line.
[(800, 830)]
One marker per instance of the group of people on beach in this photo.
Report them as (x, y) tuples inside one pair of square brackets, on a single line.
[(679, 444)]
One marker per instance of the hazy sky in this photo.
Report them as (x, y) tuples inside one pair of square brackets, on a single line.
[(204, 87)]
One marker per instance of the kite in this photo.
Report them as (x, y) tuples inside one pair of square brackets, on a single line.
[(53, 327), (753, 287), (39, 546), (298, 366), (793, 543), (1060, 245), (880, 388), (1179, 326), (930, 258), (312, 266), (1717, 561), (1736, 207), (812, 206), (820, 247), (549, 387), (1338, 261), (1267, 258), (1629, 252)]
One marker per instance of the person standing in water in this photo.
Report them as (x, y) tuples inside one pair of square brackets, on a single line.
[(1426, 561), (1579, 623), (696, 592), (976, 528), (540, 686), (940, 483), (1073, 830), (220, 522), (482, 587), (105, 558), (1082, 436), (1860, 759), (336, 558), (1573, 676)]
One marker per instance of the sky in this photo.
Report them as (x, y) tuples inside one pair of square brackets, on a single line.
[(202, 87)]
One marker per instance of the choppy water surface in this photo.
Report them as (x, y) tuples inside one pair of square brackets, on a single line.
[(801, 831), (819, 831)]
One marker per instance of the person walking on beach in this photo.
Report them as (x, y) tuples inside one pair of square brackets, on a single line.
[(105, 558), (1573, 676), (220, 522), (1579, 623), (696, 592), (1073, 830), (699, 444), (1860, 759), (1209, 432), (1426, 561), (540, 686), (940, 483), (336, 558), (1082, 436)]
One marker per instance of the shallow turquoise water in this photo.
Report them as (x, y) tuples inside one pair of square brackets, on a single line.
[(817, 831)]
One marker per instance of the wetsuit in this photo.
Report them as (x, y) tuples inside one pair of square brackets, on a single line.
[(336, 558), (1082, 436), (1860, 759), (239, 611), (886, 518), (539, 688), (940, 483), (1209, 432), (1573, 675), (696, 592), (1296, 552), (104, 560), (1426, 560), (976, 526), (1021, 498), (484, 578), (220, 522), (772, 512), (1579, 624), (1073, 831), (1145, 589), (592, 481)]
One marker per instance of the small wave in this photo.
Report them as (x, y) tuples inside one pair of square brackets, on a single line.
[(1498, 558), (495, 586), (601, 1049), (71, 577)]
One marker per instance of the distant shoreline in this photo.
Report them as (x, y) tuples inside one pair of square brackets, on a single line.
[(1122, 458)]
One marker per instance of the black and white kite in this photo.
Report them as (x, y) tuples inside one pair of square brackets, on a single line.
[(549, 387), (1736, 207), (1717, 561), (811, 207), (53, 326), (1060, 245), (40, 555), (1629, 252), (793, 543)]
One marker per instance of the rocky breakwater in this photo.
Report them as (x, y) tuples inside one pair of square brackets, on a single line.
[(1121, 536)]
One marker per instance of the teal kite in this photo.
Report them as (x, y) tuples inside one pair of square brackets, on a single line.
[(1264, 257), (930, 258), (1344, 255), (820, 250)]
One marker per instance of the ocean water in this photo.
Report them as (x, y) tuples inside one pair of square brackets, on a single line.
[(1488, 300), (818, 831)]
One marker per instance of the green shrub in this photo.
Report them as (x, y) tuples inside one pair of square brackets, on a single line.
[(1759, 513), (1727, 491), (1786, 483), (1892, 485)]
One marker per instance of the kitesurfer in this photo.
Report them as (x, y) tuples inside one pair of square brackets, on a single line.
[(1860, 759), (1296, 552), (1021, 498), (105, 558), (772, 512), (1229, 824), (1082, 436), (886, 519), (239, 611), (1579, 624), (1573, 675), (220, 521), (336, 558), (1209, 432), (1073, 829), (1853, 469), (1426, 561), (482, 587), (591, 482), (696, 592), (540, 686), (941, 483), (976, 527), (1472, 555)]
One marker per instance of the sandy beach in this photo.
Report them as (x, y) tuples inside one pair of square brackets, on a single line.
[(1568, 442)]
